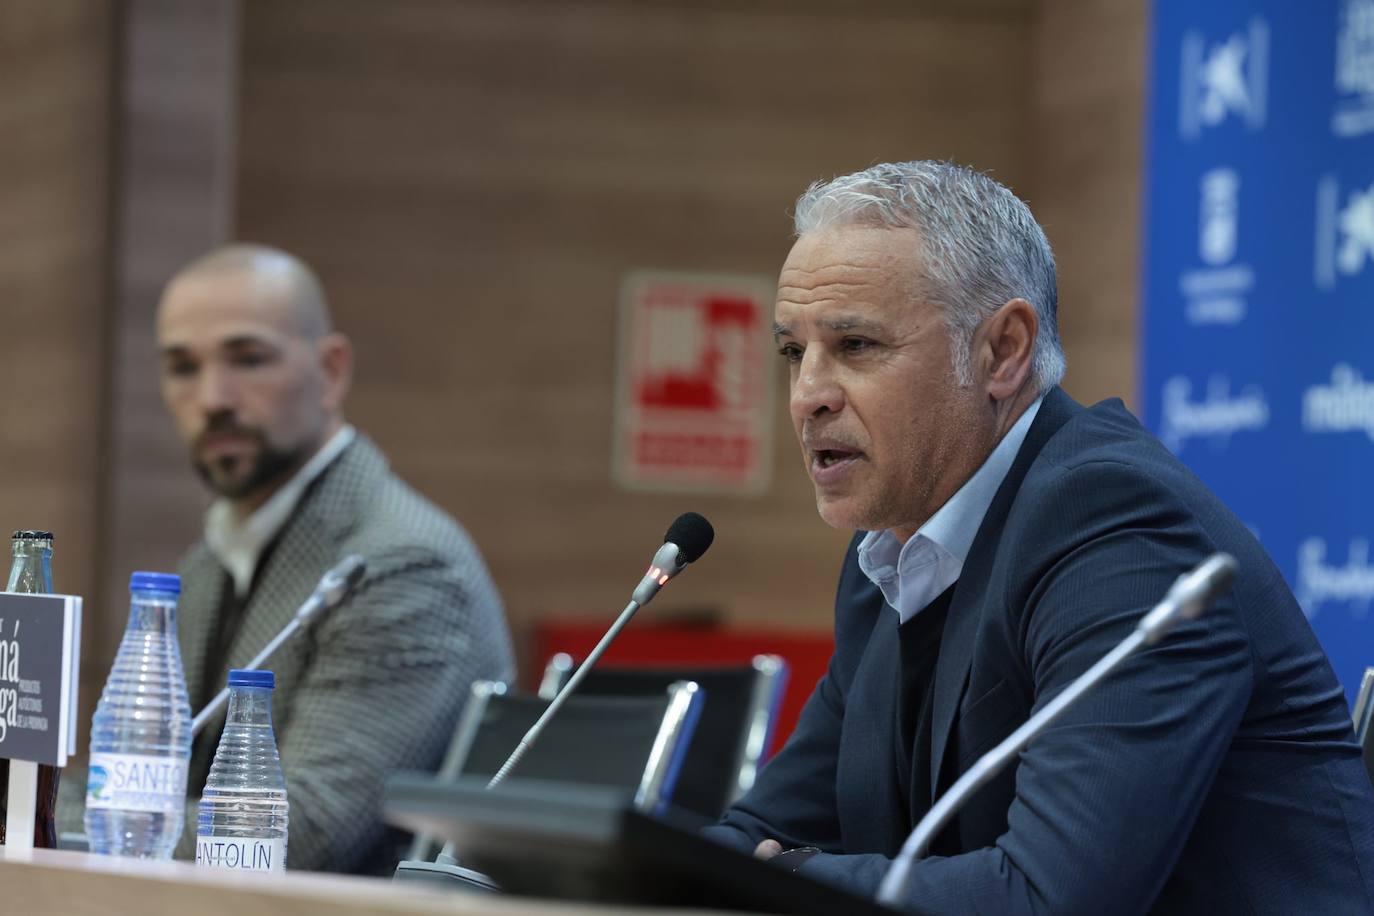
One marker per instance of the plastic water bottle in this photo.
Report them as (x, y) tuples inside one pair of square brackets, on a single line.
[(141, 732), (243, 811)]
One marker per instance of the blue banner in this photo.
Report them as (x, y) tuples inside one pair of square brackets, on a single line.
[(1258, 302)]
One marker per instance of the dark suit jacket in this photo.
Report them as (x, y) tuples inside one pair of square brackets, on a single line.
[(1216, 772)]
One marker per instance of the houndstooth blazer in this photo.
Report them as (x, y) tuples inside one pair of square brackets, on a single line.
[(374, 686)]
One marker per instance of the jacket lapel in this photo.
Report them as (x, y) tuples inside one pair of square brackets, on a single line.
[(305, 549), (202, 582), (970, 594)]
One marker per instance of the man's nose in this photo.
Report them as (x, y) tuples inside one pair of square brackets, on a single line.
[(217, 389), (815, 390)]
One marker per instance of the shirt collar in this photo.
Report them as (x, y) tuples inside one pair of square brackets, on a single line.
[(239, 545), (910, 575), (956, 523)]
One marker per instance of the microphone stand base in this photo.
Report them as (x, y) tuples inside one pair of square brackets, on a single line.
[(454, 877)]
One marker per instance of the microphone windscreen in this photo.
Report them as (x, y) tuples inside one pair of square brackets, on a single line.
[(692, 534), (1220, 572), (354, 568)]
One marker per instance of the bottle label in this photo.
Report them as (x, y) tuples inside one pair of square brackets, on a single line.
[(241, 853), (136, 782)]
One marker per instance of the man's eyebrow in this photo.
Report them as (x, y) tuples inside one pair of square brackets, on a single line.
[(239, 341), (852, 323), (839, 325), (174, 350)]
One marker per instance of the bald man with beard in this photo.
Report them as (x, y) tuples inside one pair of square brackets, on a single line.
[(255, 378)]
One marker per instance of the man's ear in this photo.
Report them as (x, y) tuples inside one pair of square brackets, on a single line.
[(1006, 342), (336, 359)]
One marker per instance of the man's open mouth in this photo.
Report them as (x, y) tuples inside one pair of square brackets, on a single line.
[(827, 456)]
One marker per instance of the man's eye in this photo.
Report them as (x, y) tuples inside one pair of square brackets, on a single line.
[(790, 352), (855, 344), (182, 368), (249, 359)]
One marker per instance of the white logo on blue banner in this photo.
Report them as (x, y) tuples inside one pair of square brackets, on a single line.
[(1345, 405), (1354, 109), (1258, 300), (1218, 217), (1224, 79), (1216, 417), (1215, 294), (1345, 231), (1321, 583)]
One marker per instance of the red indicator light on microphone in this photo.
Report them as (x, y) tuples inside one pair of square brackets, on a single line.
[(662, 580)]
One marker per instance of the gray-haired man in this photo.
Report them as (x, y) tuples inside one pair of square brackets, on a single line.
[(1007, 539)]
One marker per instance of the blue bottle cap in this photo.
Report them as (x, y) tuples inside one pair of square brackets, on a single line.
[(155, 582), (239, 677)]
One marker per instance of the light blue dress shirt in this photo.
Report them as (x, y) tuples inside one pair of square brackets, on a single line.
[(913, 574)]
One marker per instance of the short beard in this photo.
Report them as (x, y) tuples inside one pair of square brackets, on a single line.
[(223, 477)]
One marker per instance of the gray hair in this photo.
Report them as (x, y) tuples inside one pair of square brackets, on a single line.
[(980, 247)]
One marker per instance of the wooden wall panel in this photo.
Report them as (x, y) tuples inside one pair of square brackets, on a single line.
[(1088, 110), (173, 182), (55, 65), (473, 179), (175, 186)]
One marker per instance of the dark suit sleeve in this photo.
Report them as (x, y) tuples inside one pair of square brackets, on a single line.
[(1106, 798), (793, 800)]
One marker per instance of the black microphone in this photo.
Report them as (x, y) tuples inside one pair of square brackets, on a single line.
[(333, 587), (687, 539), (1190, 594), (1188, 597)]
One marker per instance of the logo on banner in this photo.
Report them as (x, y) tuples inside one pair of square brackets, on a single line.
[(694, 393), (1320, 582), (1345, 231), (1224, 80), (1346, 405), (1217, 416), (1354, 112), (1216, 294)]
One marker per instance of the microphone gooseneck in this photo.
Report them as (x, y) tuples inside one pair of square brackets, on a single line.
[(332, 587), (687, 539), (331, 590)]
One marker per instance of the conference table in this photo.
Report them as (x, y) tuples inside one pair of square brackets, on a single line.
[(50, 882)]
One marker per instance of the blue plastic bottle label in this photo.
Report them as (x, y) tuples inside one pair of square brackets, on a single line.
[(241, 853), (136, 782)]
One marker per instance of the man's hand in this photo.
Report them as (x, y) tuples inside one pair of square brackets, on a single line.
[(767, 849)]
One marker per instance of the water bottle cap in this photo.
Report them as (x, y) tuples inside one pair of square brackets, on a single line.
[(239, 677), (26, 535), (155, 582)]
